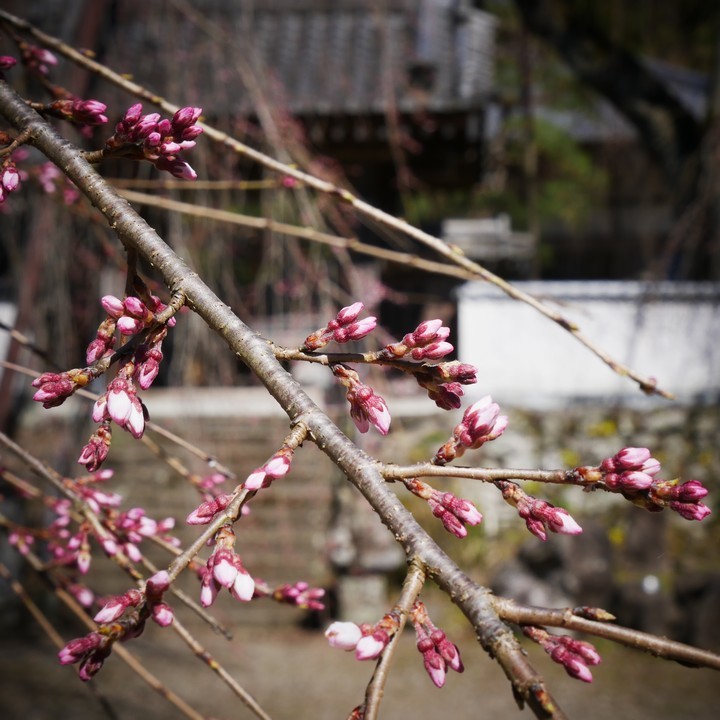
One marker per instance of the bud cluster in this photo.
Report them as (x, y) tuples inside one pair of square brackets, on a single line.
[(82, 112), (342, 329), (92, 650), (573, 655), (426, 342), (632, 473), (276, 467), (152, 598), (300, 594), (453, 512), (366, 408), (36, 59), (158, 139), (225, 569), (444, 382), (539, 516), (481, 423), (438, 652), (54, 389), (120, 403), (368, 641)]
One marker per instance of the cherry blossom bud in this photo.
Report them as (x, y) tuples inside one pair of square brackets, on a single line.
[(119, 403), (176, 167), (223, 569), (634, 480), (435, 666), (111, 611), (691, 491), (243, 587), (349, 314), (7, 62), (132, 114), (631, 457), (53, 389), (434, 351), (185, 117), (162, 614), (128, 325), (460, 372), (157, 584), (691, 511), (426, 332), (76, 649), (10, 178), (206, 511), (343, 635), (355, 331), (367, 408), (370, 647)]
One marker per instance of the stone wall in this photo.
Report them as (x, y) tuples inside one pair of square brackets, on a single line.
[(311, 526)]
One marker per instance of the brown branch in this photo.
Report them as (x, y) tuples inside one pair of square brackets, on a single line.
[(490, 475), (306, 233), (362, 208), (413, 584), (569, 619)]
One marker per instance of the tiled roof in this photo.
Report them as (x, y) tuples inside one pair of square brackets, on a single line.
[(317, 57)]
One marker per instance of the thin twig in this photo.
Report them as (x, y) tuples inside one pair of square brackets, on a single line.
[(123, 653), (202, 654), (413, 584), (42, 620), (306, 233), (566, 618), (489, 475)]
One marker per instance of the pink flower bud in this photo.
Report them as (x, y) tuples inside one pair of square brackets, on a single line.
[(277, 466), (691, 491), (634, 480), (129, 325), (132, 114), (112, 610), (10, 179), (163, 614), (113, 306), (357, 330), (631, 457), (434, 351), (349, 314), (223, 568), (243, 588), (185, 117), (7, 61), (119, 405), (256, 480), (135, 307), (158, 583), (691, 511), (370, 647), (560, 521), (343, 635)]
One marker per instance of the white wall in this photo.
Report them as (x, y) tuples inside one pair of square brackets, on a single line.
[(670, 331), (7, 315)]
